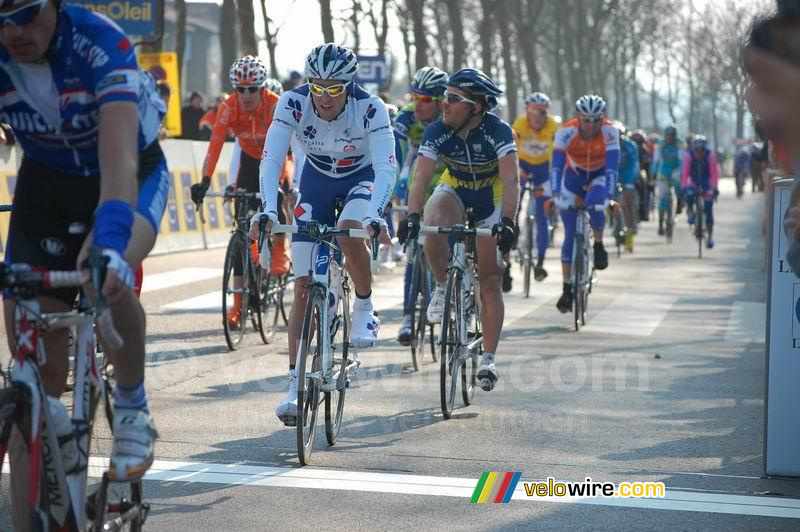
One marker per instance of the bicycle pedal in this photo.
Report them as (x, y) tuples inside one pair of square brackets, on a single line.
[(288, 420)]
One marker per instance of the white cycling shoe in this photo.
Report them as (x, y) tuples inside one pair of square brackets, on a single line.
[(365, 326), (133, 447), (487, 373), (436, 306), (287, 409)]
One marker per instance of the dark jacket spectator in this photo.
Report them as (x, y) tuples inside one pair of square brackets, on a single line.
[(191, 115)]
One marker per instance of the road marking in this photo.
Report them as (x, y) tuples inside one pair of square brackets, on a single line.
[(747, 322), (329, 479), (631, 315), (159, 281), (209, 301)]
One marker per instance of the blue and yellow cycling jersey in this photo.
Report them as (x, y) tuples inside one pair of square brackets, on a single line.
[(535, 147), (628, 163), (667, 160), (90, 62), (471, 162)]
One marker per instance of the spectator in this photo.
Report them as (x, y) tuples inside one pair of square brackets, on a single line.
[(295, 79), (210, 117), (191, 115), (165, 92)]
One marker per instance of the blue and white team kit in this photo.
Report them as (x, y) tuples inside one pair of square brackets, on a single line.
[(349, 159)]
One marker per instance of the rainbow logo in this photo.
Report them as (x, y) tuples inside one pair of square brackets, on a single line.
[(495, 487)]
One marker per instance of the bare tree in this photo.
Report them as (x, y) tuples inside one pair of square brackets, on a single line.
[(527, 21), (247, 30), (327, 20), (457, 29), (227, 38), (504, 28), (416, 8), (486, 32), (405, 31)]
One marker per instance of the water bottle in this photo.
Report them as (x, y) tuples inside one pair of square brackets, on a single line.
[(62, 426)]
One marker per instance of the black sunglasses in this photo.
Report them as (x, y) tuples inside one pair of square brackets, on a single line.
[(251, 90)]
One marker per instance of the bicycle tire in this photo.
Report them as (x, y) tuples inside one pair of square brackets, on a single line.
[(577, 276), (235, 252), (283, 282), (670, 219), (334, 400), (469, 369), (451, 343), (432, 338), (308, 391), (268, 309), (699, 212), (526, 286), (418, 320)]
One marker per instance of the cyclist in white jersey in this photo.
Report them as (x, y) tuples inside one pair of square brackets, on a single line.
[(348, 141)]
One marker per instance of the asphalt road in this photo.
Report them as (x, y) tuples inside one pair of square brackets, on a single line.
[(666, 384)]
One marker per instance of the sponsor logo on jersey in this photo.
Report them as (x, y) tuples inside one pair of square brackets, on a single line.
[(369, 115), (348, 148), (296, 109), (302, 212), (94, 55), (309, 132)]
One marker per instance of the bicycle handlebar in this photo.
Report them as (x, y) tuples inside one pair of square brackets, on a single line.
[(238, 194), (6, 208), (440, 230), (321, 231)]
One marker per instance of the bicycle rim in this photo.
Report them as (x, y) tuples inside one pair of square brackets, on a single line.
[(283, 281), (578, 281), (528, 258), (334, 400), (417, 317), (469, 369), (451, 343), (234, 254), (268, 306), (308, 391), (699, 216)]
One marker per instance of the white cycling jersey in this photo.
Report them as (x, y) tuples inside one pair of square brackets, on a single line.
[(359, 137)]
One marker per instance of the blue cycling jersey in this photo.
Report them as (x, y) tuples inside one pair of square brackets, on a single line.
[(471, 161), (92, 63), (628, 162)]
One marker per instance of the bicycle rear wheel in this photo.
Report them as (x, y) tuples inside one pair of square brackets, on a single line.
[(451, 343), (334, 400), (268, 307), (577, 276), (235, 258), (308, 363)]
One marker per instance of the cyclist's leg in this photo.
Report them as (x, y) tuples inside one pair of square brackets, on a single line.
[(443, 208), (596, 195), (709, 212), (541, 179), (662, 202)]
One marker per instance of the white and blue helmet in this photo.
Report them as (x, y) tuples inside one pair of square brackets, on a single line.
[(331, 61), (591, 105)]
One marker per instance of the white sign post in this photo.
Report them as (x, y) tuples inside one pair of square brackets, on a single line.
[(782, 394)]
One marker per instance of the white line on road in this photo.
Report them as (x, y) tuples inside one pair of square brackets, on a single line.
[(310, 478), (159, 281), (209, 301), (747, 322), (631, 315)]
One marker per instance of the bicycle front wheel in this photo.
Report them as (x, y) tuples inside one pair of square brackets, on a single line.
[(699, 212), (235, 299), (334, 400), (309, 363), (269, 301), (469, 368), (577, 284), (528, 265), (451, 343), (418, 306)]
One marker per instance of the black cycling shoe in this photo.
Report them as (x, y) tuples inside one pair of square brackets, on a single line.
[(564, 304), (600, 256), (507, 280), (539, 273)]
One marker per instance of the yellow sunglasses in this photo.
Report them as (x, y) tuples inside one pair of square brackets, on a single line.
[(333, 90)]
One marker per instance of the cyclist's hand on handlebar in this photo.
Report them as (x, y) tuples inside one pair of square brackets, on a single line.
[(504, 232), (255, 222), (409, 228), (198, 190), (119, 278), (368, 224)]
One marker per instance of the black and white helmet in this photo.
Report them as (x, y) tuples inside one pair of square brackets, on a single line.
[(538, 99), (331, 61), (429, 81), (275, 86), (590, 105)]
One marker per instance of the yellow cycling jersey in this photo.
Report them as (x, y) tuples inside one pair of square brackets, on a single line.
[(535, 147)]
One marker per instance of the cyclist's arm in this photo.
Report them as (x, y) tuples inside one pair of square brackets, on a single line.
[(276, 146), (611, 159), (400, 145), (713, 170), (423, 173), (559, 160), (118, 151), (656, 162), (384, 163), (508, 167), (686, 181), (218, 134)]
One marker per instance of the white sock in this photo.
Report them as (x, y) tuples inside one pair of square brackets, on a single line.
[(487, 358), (362, 303)]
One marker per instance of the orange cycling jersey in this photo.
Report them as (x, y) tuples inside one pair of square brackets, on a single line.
[(249, 127), (586, 154)]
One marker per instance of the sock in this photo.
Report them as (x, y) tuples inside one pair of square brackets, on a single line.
[(363, 302), (487, 358), (133, 398), (291, 367), (539, 262), (567, 287), (441, 286)]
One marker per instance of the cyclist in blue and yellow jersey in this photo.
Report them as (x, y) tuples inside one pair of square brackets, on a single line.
[(700, 175), (628, 175), (478, 150), (92, 174), (667, 162), (427, 90), (584, 170), (534, 132)]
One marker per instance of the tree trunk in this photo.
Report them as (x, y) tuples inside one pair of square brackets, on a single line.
[(525, 19), (740, 108), (416, 7), (327, 20), (504, 28), (637, 108), (404, 31), (486, 31), (180, 33), (227, 40), (442, 36), (457, 27), (653, 95), (355, 18), (270, 38), (714, 128), (247, 28)]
